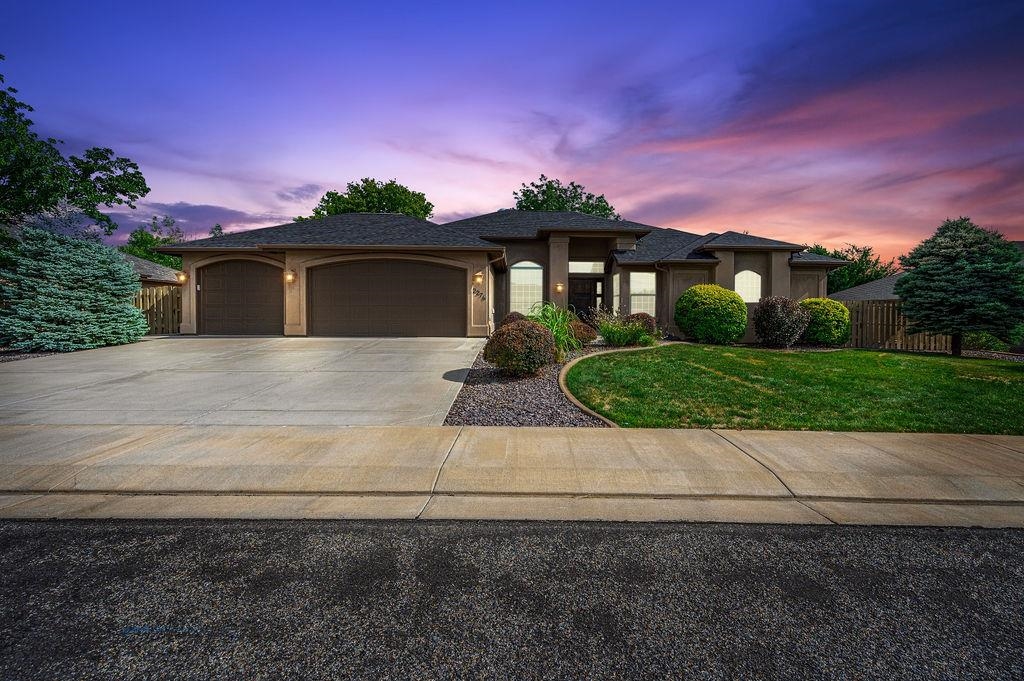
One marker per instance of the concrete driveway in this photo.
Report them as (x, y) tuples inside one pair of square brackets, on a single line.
[(242, 381)]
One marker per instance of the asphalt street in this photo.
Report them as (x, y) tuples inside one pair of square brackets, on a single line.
[(270, 600)]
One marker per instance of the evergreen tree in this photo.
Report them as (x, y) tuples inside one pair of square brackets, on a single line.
[(963, 279), (62, 294)]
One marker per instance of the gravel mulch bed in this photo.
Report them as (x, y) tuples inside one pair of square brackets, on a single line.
[(15, 355), (490, 398), (989, 354)]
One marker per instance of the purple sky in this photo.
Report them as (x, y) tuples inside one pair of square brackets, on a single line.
[(807, 121)]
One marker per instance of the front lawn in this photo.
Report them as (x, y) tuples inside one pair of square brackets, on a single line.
[(703, 386)]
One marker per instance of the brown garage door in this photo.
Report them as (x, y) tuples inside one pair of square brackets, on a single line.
[(387, 298), (240, 297)]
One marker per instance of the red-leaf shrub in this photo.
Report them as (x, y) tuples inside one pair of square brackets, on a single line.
[(779, 321), (520, 348)]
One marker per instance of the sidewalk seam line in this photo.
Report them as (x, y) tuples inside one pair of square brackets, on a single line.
[(775, 475), (981, 438), (437, 477)]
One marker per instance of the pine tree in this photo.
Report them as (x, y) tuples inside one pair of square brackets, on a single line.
[(961, 279), (62, 294)]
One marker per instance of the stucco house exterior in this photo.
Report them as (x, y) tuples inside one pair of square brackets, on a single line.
[(372, 274)]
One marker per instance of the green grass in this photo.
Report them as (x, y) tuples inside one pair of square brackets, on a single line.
[(703, 386)]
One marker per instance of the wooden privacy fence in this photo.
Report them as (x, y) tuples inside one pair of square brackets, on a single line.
[(162, 307), (880, 324)]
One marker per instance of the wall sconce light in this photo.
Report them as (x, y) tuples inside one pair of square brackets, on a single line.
[(559, 287), (181, 277), (289, 276), (478, 278)]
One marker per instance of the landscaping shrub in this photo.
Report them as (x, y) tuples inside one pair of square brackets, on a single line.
[(983, 340), (511, 317), (829, 322), (709, 313), (779, 321), (645, 320), (557, 320), (520, 348), (583, 332), (620, 334), (62, 294)]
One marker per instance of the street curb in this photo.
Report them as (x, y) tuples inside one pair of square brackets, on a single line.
[(584, 408)]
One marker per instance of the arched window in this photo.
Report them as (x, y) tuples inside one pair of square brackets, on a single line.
[(526, 286), (748, 285)]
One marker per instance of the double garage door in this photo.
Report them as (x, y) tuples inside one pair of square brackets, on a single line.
[(367, 298)]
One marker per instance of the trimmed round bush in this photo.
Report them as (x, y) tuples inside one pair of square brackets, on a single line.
[(779, 321), (520, 348), (511, 317), (709, 313), (645, 320), (829, 322), (582, 331)]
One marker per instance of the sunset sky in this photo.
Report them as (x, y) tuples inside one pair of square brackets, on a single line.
[(806, 121)]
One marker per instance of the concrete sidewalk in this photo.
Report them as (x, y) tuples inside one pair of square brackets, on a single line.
[(225, 471)]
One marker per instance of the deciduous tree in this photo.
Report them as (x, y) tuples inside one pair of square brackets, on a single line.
[(144, 240), (38, 182), (550, 194), (864, 266), (373, 196)]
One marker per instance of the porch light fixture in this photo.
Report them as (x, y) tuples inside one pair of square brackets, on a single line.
[(478, 278), (289, 276), (559, 287), (181, 277)]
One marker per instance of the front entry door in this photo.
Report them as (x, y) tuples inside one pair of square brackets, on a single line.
[(583, 294)]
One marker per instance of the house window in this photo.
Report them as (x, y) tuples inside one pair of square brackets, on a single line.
[(526, 286), (748, 285), (586, 267), (615, 294), (643, 291)]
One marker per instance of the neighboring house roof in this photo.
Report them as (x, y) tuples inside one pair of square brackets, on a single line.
[(1019, 244), (528, 224), (347, 229), (806, 258), (151, 271), (879, 289)]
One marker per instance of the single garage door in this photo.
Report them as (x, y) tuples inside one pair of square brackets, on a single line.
[(240, 297), (387, 298)]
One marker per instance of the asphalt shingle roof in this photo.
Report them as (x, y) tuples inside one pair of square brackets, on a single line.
[(526, 224), (879, 289), (656, 246), (816, 258), (151, 271), (739, 240), (347, 229)]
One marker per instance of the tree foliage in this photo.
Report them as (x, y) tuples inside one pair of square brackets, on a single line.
[(216, 230), (144, 240), (864, 266), (62, 294), (37, 180), (961, 279), (373, 196), (549, 194)]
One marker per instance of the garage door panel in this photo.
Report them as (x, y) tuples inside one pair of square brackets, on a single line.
[(242, 297), (387, 298)]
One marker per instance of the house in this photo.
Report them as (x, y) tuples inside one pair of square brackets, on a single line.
[(879, 289), (150, 273), (373, 274)]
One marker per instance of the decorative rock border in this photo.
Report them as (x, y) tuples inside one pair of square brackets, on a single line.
[(584, 408)]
